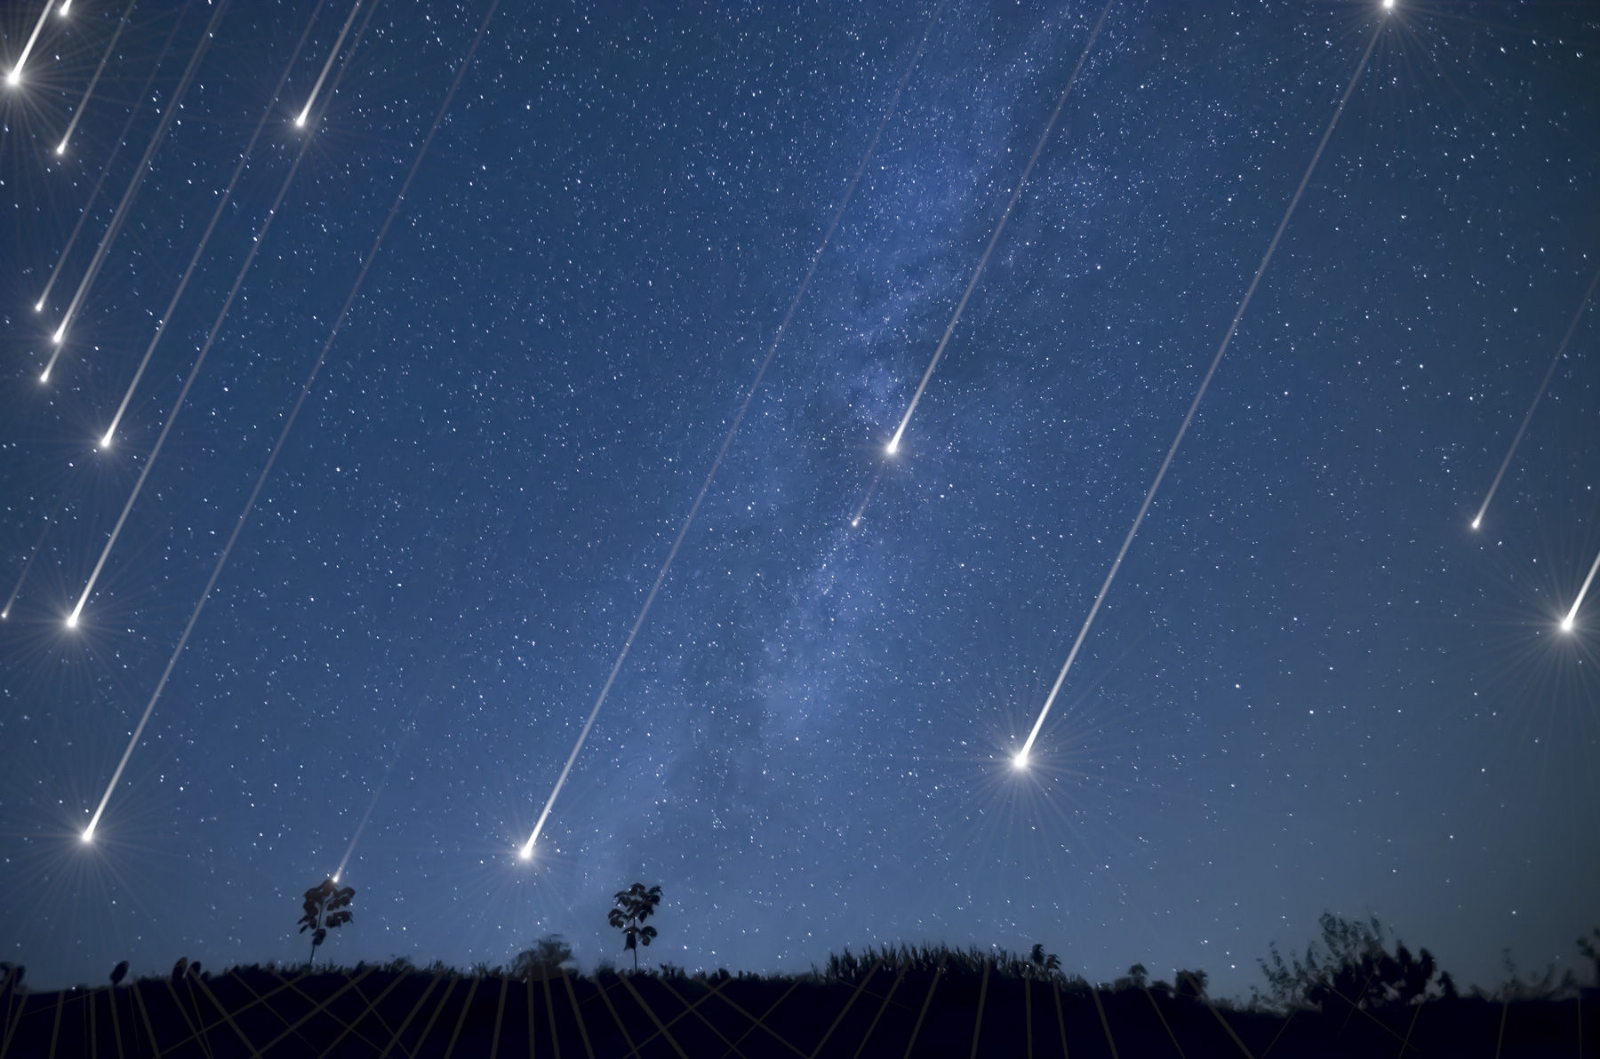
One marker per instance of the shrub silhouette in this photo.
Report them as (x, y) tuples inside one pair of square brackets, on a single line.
[(1352, 969), (326, 906), (1045, 962), (545, 960), (634, 906)]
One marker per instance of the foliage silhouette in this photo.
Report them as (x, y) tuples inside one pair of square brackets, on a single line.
[(634, 906), (119, 972), (1590, 947), (1045, 962), (545, 960), (326, 906), (1352, 968)]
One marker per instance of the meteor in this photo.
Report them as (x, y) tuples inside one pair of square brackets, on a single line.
[(14, 78), (1538, 396), (188, 383), (120, 217), (300, 121), (66, 137), (1566, 623), (526, 851), (1194, 406), (205, 238), (283, 435), (1019, 761), (94, 195), (1000, 226)]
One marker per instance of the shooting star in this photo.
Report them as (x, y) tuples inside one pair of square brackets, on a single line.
[(526, 850), (300, 119), (983, 262), (14, 76), (1566, 623), (88, 93), (1021, 758), (1544, 384)]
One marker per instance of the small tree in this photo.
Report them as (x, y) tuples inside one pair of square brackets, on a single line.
[(1045, 963), (545, 960), (634, 906), (326, 906)]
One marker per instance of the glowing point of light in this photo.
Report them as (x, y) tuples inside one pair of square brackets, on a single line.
[(855, 521), (1019, 761), (1566, 624), (1388, 5), (335, 876), (72, 620), (1475, 522), (61, 148), (300, 122), (5, 614), (526, 852), (87, 836), (105, 442), (38, 306), (45, 375), (61, 332), (893, 447), (14, 78)]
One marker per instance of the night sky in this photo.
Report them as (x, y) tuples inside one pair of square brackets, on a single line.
[(1312, 687)]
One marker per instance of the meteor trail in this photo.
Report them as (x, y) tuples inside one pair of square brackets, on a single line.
[(205, 238), (122, 137), (300, 121), (994, 237), (1194, 406), (205, 348), (121, 215), (1544, 384), (61, 148), (526, 852), (1566, 623), (14, 78), (244, 515)]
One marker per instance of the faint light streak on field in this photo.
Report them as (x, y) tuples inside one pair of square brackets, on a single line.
[(1194, 406), (994, 238), (244, 515), (205, 238), (120, 217), (300, 120), (94, 195), (88, 93), (526, 851), (1544, 384)]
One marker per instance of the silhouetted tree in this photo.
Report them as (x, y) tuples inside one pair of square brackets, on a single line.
[(1590, 947), (1192, 983), (545, 960), (1351, 968), (180, 969), (1044, 962), (119, 972), (634, 906), (326, 906), (1139, 976)]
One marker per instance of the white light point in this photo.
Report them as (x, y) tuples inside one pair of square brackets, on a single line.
[(14, 78), (66, 6), (892, 448), (1475, 522), (61, 332), (44, 377), (72, 620), (1388, 5), (88, 836), (526, 852), (1019, 761), (300, 121), (61, 149), (855, 521), (5, 614), (1566, 624), (38, 306), (105, 443)]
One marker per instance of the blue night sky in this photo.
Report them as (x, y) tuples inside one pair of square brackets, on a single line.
[(1312, 685)]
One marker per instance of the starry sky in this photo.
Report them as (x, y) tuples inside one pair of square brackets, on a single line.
[(1312, 686)]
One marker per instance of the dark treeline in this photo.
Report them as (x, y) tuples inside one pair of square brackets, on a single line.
[(895, 1001)]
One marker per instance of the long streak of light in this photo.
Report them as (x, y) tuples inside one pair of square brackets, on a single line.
[(300, 119), (14, 77), (120, 217), (88, 93), (1020, 760), (1566, 623), (94, 195), (216, 215), (999, 228), (1544, 384), (177, 406), (38, 545), (526, 851), (244, 515)]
